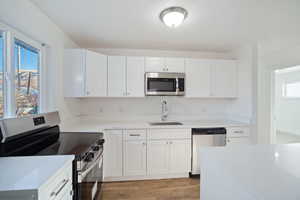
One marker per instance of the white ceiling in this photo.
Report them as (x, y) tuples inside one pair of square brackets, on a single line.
[(214, 25)]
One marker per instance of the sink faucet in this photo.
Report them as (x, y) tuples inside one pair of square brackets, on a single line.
[(164, 109)]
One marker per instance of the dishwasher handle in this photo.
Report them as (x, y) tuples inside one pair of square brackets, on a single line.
[(208, 131)]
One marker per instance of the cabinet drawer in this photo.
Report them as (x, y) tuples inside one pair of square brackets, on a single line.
[(238, 132), (156, 134), (58, 184), (136, 134)]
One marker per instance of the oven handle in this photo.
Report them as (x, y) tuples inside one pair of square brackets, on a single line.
[(84, 173)]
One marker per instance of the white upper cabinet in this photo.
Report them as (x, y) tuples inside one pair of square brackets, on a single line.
[(198, 77), (116, 76), (174, 65), (135, 76), (96, 74), (224, 78), (154, 64), (160, 64), (85, 73)]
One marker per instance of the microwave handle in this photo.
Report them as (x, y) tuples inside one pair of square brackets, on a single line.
[(177, 84)]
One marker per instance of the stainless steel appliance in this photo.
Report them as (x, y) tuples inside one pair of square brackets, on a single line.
[(40, 135), (202, 137), (164, 84)]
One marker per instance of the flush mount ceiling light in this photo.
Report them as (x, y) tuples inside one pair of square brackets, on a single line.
[(173, 16)]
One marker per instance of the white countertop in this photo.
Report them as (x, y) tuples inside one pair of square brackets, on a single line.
[(257, 172), (29, 173), (97, 125)]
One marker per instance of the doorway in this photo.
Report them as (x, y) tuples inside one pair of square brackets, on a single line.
[(286, 105)]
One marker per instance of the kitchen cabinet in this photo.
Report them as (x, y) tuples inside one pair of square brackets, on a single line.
[(85, 73), (224, 78), (116, 76), (160, 64), (169, 152), (134, 151), (198, 78), (238, 136), (169, 156), (125, 76), (135, 71), (113, 153), (180, 156), (158, 157), (237, 141), (211, 78)]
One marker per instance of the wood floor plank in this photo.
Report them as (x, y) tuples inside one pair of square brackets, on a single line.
[(166, 189)]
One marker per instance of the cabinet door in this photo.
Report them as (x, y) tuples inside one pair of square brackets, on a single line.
[(224, 78), (113, 149), (180, 156), (135, 76), (96, 74), (158, 157), (198, 77), (174, 65), (237, 141), (134, 157), (74, 63), (154, 64), (116, 76)]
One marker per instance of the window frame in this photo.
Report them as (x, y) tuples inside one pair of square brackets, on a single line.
[(9, 69), (284, 90)]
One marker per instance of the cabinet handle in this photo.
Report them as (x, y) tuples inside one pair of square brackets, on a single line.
[(88, 93), (167, 142), (136, 135), (144, 143), (238, 131), (64, 183)]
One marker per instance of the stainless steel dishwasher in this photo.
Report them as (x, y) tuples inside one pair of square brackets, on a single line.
[(202, 137)]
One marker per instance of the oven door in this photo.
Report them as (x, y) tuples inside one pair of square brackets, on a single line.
[(90, 180)]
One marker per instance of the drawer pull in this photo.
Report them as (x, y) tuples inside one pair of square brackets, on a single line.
[(136, 135), (238, 131), (64, 183)]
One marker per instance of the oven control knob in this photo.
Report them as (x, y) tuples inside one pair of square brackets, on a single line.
[(100, 142), (95, 148), (89, 157)]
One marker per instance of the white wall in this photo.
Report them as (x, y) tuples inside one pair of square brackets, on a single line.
[(272, 54), (150, 107), (287, 110), (26, 18)]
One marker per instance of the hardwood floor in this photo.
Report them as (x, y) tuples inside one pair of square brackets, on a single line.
[(166, 189)]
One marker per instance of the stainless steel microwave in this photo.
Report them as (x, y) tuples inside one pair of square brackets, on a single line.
[(164, 84)]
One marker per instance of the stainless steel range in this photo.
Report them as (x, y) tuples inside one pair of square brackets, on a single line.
[(40, 135)]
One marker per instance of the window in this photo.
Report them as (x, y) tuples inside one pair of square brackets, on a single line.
[(291, 90), (1, 74), (20, 74), (27, 64)]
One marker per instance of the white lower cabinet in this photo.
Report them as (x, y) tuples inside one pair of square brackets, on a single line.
[(180, 156), (238, 136), (158, 157), (113, 153), (135, 158), (132, 154), (237, 141), (169, 156)]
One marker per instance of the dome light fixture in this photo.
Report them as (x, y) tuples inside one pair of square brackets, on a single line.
[(173, 16)]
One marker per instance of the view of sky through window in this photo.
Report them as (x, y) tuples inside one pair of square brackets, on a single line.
[(1, 74), (27, 61)]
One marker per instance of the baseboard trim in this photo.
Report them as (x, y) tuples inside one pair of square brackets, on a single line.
[(146, 177)]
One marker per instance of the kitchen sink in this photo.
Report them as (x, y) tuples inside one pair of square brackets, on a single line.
[(164, 123)]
